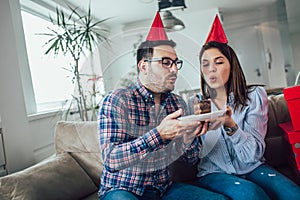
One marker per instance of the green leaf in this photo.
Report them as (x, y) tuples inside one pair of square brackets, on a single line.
[(77, 34)]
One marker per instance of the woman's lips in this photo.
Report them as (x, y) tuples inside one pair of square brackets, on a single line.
[(213, 79)]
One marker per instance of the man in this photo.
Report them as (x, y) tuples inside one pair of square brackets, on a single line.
[(140, 134)]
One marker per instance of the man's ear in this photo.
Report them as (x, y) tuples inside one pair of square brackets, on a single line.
[(142, 66)]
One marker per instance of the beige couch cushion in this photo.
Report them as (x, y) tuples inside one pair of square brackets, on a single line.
[(77, 137), (81, 140), (91, 163), (58, 178)]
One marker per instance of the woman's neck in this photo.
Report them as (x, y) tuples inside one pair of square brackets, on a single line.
[(221, 98)]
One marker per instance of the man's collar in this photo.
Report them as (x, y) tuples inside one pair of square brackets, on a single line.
[(146, 94)]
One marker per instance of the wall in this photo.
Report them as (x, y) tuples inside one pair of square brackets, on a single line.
[(293, 18), (17, 138), (252, 34), (252, 57), (295, 37), (272, 42), (27, 140)]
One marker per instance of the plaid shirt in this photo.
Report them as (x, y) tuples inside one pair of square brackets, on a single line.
[(134, 154)]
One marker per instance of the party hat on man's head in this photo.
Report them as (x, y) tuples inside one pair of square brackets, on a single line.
[(157, 31), (217, 33)]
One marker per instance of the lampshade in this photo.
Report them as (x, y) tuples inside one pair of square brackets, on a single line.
[(164, 5), (172, 23), (178, 4)]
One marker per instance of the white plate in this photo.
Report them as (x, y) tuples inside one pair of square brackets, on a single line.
[(202, 117)]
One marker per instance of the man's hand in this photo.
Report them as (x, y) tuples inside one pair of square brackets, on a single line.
[(170, 127), (189, 137)]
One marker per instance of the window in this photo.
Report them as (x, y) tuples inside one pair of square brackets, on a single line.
[(51, 81)]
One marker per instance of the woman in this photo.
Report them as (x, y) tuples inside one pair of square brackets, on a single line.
[(232, 155)]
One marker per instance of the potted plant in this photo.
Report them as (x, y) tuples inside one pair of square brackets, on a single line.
[(77, 34)]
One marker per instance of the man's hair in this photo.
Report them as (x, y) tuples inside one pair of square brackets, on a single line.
[(236, 82), (145, 50)]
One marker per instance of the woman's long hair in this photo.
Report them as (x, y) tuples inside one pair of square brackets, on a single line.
[(236, 82)]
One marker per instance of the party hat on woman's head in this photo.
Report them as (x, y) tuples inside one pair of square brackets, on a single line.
[(157, 31), (217, 33)]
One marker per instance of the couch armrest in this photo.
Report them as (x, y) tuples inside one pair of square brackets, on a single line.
[(60, 177)]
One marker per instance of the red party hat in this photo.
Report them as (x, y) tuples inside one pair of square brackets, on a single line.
[(217, 33), (157, 31)]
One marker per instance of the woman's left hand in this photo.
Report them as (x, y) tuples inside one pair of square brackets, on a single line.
[(225, 120), (228, 121)]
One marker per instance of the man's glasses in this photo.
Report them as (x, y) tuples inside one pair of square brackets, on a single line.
[(167, 62)]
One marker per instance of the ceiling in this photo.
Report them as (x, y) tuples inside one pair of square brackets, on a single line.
[(132, 10), (122, 12)]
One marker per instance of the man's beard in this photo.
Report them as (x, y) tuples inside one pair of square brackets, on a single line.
[(159, 84)]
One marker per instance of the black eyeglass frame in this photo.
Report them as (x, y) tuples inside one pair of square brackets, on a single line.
[(176, 62)]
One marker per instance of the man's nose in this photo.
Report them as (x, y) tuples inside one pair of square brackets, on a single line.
[(174, 67)]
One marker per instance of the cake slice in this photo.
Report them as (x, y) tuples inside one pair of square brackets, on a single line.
[(205, 106), (202, 106)]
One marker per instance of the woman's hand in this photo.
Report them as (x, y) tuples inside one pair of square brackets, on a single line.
[(225, 120), (228, 121)]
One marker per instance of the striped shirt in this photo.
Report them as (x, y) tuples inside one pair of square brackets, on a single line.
[(243, 151), (134, 154)]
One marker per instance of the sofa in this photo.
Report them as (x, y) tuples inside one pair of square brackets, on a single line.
[(73, 172)]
